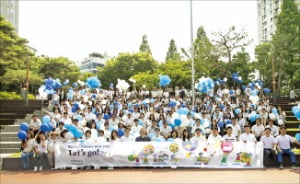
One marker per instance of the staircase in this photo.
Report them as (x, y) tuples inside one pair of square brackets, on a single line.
[(12, 114), (292, 124)]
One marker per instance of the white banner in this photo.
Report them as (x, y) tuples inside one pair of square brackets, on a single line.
[(160, 154)]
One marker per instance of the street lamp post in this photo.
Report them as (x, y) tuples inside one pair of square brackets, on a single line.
[(27, 75), (192, 54)]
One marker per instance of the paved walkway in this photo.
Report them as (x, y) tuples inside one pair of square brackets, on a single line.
[(153, 176)]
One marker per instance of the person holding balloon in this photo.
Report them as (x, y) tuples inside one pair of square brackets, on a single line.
[(40, 150), (27, 150), (35, 124)]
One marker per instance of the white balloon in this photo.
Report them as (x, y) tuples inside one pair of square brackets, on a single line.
[(183, 117), (207, 131), (272, 116), (69, 135), (206, 123), (280, 122)]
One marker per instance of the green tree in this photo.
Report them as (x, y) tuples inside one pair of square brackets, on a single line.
[(146, 78), (286, 43), (126, 65), (241, 64), (15, 79), (172, 53), (205, 55), (60, 67), (144, 47), (231, 40), (263, 62)]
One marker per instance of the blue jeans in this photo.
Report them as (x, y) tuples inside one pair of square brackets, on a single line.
[(25, 158), (288, 152), (40, 159)]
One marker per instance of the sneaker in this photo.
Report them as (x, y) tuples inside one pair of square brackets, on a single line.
[(294, 167), (41, 168), (281, 166), (35, 168)]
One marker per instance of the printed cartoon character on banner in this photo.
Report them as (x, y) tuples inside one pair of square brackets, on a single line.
[(227, 148), (189, 146), (203, 157), (147, 150), (246, 158), (160, 158), (174, 148)]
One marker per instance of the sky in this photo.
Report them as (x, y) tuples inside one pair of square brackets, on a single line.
[(75, 29)]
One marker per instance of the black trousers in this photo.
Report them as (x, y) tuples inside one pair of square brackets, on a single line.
[(269, 157)]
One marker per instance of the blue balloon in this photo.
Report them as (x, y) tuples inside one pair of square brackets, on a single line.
[(274, 111), (120, 132), (160, 123), (295, 109), (78, 134), (50, 127), (73, 129), (46, 119), (106, 116), (177, 122), (201, 121), (244, 87), (172, 104), (252, 118), (44, 127), (237, 111), (228, 122), (266, 90), (183, 111), (24, 126), (222, 106), (141, 123), (151, 135), (172, 125), (221, 124), (78, 117), (164, 80), (75, 85), (297, 136), (231, 92), (22, 135), (67, 126), (93, 82)]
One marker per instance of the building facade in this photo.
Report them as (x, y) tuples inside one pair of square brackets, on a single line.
[(90, 64), (9, 9), (267, 13)]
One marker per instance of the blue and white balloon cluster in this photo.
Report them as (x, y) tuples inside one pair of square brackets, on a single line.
[(205, 84), (296, 112), (93, 82), (164, 80), (237, 78)]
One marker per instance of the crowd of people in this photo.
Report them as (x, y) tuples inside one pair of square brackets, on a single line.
[(159, 115)]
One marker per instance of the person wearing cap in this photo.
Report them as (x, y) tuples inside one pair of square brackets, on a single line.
[(143, 136), (247, 136), (284, 147), (269, 143), (214, 136), (53, 138), (157, 135), (126, 137), (274, 128), (258, 129), (229, 137), (198, 136)]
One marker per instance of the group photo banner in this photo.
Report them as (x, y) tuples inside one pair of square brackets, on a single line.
[(160, 154)]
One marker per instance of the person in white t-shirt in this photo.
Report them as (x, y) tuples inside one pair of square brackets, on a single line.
[(269, 143), (198, 125), (214, 136), (35, 124), (236, 129), (229, 137), (157, 136), (51, 144), (198, 137), (258, 129), (27, 150), (247, 136), (284, 147), (40, 149), (127, 137), (274, 129), (165, 130)]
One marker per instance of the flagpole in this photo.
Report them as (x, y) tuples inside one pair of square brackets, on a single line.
[(192, 54)]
